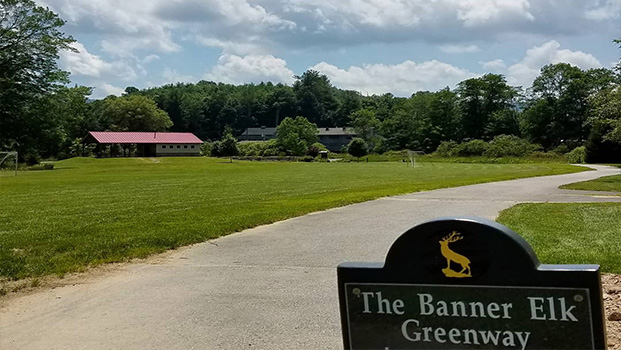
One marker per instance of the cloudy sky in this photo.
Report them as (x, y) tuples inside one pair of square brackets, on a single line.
[(373, 46)]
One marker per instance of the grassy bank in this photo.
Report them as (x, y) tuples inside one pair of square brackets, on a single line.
[(570, 233), (91, 211)]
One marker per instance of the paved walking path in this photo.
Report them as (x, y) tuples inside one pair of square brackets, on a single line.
[(271, 287)]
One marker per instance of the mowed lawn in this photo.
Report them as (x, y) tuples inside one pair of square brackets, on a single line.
[(607, 183), (570, 233), (90, 211)]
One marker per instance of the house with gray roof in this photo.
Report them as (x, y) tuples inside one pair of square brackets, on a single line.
[(334, 138)]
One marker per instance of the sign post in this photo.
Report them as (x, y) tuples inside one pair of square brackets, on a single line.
[(469, 283)]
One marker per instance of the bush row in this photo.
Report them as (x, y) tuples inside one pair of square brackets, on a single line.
[(500, 146)]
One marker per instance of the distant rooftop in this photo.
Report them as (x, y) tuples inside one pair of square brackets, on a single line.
[(337, 130), (322, 131), (260, 131), (141, 137)]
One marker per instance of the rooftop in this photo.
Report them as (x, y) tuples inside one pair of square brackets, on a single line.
[(337, 130), (142, 137)]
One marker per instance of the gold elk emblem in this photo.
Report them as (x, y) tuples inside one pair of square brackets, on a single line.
[(450, 255)]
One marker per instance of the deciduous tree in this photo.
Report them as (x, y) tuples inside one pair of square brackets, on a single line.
[(30, 41), (228, 144), (294, 136), (135, 113)]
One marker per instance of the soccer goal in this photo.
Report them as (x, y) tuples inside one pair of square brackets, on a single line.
[(416, 158), (6, 156)]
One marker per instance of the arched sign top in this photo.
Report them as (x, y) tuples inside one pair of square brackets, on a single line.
[(462, 248)]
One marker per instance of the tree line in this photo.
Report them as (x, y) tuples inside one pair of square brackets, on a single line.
[(40, 116)]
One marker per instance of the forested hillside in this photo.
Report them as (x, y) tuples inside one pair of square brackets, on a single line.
[(564, 108)]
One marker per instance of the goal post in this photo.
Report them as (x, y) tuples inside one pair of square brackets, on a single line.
[(4, 156), (415, 158)]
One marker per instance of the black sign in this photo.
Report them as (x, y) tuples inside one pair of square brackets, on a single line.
[(462, 283)]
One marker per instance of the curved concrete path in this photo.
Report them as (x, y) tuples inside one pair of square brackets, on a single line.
[(271, 287)]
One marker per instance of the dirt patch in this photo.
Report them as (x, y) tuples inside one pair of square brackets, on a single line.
[(12, 290), (611, 284)]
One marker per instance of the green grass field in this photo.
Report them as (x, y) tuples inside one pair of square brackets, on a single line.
[(90, 211), (570, 233), (607, 183)]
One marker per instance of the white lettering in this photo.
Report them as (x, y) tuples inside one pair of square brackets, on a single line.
[(404, 330), (365, 296), (566, 312), (488, 336), (492, 308), (535, 308), (552, 312), (442, 309), (453, 333), (425, 304), (471, 333), (507, 339), (410, 331), (382, 303), (505, 309), (397, 305), (439, 332), (473, 310), (427, 331), (462, 308), (523, 340)]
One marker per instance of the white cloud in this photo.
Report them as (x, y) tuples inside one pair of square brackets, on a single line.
[(401, 79), (493, 65), (83, 63), (150, 58), (459, 48), (482, 12), (251, 45), (235, 69), (104, 89), (610, 10), (244, 27), (126, 25), (129, 26), (172, 76), (526, 70), (112, 90)]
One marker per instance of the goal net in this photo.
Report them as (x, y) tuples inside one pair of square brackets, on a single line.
[(415, 158), (8, 160)]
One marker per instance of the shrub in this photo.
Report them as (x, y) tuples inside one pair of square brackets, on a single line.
[(32, 158), (561, 149), (343, 149), (446, 148), (308, 158), (42, 166), (206, 149), (247, 149), (577, 155), (315, 148), (508, 146), (271, 150), (215, 149), (357, 147), (472, 148), (228, 146), (258, 149)]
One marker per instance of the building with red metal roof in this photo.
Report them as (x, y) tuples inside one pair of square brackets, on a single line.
[(147, 144)]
